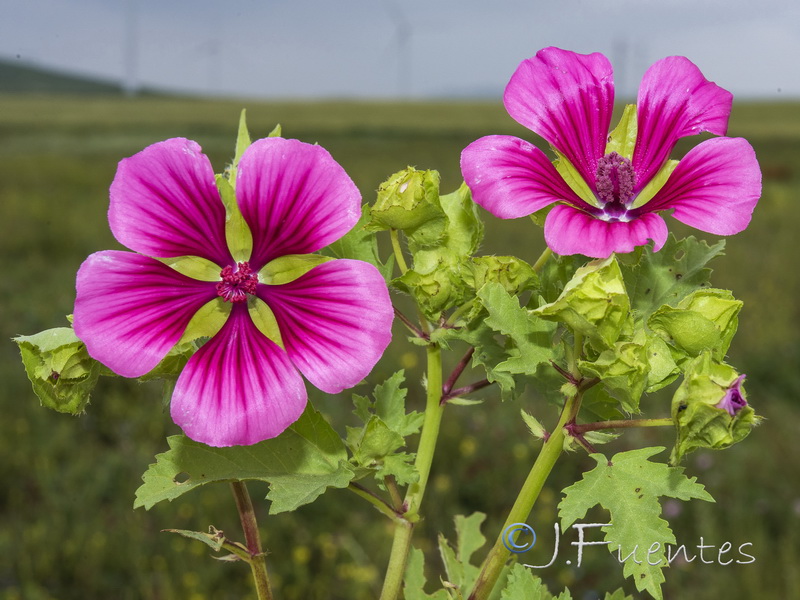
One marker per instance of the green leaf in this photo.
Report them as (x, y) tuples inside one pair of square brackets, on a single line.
[(300, 464), (460, 572), (593, 303), (414, 580), (628, 486), (618, 594), (623, 139), (59, 368), (668, 276), (524, 585), (532, 336), (386, 425), (361, 244)]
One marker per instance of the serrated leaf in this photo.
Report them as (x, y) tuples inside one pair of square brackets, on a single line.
[(522, 584), (628, 486), (300, 464), (618, 594), (414, 579), (531, 335), (361, 244), (469, 539), (669, 275)]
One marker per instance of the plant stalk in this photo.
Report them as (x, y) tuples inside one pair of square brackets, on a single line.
[(257, 560)]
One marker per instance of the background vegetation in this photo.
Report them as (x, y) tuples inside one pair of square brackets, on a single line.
[(67, 529)]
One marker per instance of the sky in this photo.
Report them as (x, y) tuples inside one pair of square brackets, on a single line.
[(410, 49)]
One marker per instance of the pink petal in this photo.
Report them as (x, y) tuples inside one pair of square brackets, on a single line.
[(131, 310), (511, 178), (566, 98), (164, 203), (239, 389), (568, 230), (295, 198), (675, 101), (335, 321), (714, 188)]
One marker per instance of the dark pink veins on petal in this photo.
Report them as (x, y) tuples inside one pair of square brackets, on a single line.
[(237, 283)]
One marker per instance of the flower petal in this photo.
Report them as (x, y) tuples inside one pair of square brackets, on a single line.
[(131, 310), (294, 197), (714, 188), (568, 230), (512, 178), (239, 389), (164, 203), (335, 321), (566, 98), (675, 100)]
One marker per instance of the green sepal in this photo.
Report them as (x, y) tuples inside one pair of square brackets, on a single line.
[(435, 291), (207, 321), (594, 303), (623, 139), (623, 371), (59, 368), (408, 200), (655, 184), (361, 244), (663, 368), (264, 320), (172, 364), (707, 319), (299, 464), (699, 422), (575, 180), (195, 267), (514, 274), (243, 142), (289, 267), (237, 233)]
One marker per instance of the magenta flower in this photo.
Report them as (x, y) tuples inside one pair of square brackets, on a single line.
[(734, 400), (567, 98), (240, 387)]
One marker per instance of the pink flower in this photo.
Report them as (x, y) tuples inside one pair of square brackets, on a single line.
[(240, 387), (567, 98)]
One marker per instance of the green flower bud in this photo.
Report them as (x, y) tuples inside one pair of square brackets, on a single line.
[(710, 408), (705, 320), (594, 303), (512, 273), (408, 200)]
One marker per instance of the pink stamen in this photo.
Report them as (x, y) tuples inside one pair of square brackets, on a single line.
[(235, 285)]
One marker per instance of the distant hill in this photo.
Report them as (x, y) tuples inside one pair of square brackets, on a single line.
[(17, 77)]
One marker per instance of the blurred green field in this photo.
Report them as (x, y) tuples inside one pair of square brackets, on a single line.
[(67, 529)]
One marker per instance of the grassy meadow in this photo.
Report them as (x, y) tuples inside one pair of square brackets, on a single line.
[(67, 527)]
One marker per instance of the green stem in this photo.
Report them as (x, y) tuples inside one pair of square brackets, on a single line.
[(257, 560), (667, 422), (499, 554), (401, 545), (537, 266), (375, 500)]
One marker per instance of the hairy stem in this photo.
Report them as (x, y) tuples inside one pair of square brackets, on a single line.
[(623, 424), (257, 560), (401, 545), (537, 266), (375, 500), (462, 364), (398, 251)]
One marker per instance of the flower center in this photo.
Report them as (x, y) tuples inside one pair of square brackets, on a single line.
[(235, 285), (615, 182)]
